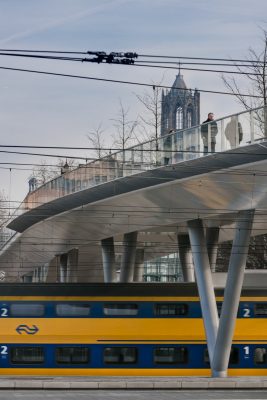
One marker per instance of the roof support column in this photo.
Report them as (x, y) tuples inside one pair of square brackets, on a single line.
[(212, 239), (108, 257), (185, 256), (204, 282), (63, 259), (139, 265), (72, 266), (128, 257), (232, 293)]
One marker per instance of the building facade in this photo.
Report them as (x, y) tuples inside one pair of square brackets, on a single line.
[(180, 107)]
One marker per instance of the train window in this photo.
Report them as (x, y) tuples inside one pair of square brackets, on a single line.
[(121, 309), (120, 355), (72, 355), (234, 356), (27, 310), (260, 355), (260, 309), (72, 310), (27, 355), (170, 309), (170, 355)]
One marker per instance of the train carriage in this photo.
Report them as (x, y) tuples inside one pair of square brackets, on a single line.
[(122, 329)]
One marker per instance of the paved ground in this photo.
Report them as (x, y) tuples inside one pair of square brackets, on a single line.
[(131, 383), (131, 395)]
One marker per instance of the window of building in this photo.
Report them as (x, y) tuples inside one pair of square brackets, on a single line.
[(27, 310), (260, 309), (120, 355), (179, 118), (121, 309), (170, 355), (27, 355), (260, 355), (72, 355), (170, 309), (72, 310), (189, 118)]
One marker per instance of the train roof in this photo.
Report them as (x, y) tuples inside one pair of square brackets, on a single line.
[(115, 290)]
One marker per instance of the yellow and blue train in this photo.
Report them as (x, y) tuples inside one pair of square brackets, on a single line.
[(121, 329)]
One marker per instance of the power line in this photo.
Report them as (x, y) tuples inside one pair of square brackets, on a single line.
[(139, 55), (107, 158), (201, 58), (126, 62), (198, 69), (195, 63), (125, 82), (48, 155)]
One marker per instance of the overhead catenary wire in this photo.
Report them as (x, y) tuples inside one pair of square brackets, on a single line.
[(151, 85), (142, 63), (139, 55), (107, 157)]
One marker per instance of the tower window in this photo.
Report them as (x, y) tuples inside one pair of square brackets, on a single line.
[(179, 118), (189, 118)]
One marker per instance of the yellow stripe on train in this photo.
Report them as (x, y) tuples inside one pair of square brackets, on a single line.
[(95, 330), (127, 372)]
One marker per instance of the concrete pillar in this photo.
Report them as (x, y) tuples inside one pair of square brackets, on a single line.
[(63, 259), (232, 293), (185, 256), (72, 265), (51, 276), (212, 240), (108, 257), (204, 282), (35, 276), (139, 265), (128, 257)]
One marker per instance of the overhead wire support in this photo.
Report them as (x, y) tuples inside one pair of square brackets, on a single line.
[(128, 59), (134, 55)]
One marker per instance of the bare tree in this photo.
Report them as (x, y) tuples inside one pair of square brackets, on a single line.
[(125, 129), (254, 71), (96, 138), (152, 118)]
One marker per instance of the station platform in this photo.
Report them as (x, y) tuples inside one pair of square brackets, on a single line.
[(132, 383)]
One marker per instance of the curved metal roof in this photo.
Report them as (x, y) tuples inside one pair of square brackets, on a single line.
[(213, 188)]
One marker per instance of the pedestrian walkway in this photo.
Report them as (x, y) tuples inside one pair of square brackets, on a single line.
[(132, 383)]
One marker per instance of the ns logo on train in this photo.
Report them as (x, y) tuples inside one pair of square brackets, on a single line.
[(27, 329)]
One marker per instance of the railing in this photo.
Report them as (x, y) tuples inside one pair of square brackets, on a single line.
[(226, 133)]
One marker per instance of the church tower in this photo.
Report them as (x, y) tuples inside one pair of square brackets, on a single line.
[(180, 108)]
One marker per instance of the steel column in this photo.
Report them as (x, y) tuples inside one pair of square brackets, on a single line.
[(108, 257), (204, 282), (185, 256), (232, 293), (128, 257), (212, 239)]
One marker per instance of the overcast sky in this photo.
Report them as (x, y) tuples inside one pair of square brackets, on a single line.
[(48, 110)]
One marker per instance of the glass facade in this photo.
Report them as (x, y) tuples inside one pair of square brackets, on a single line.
[(163, 269)]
